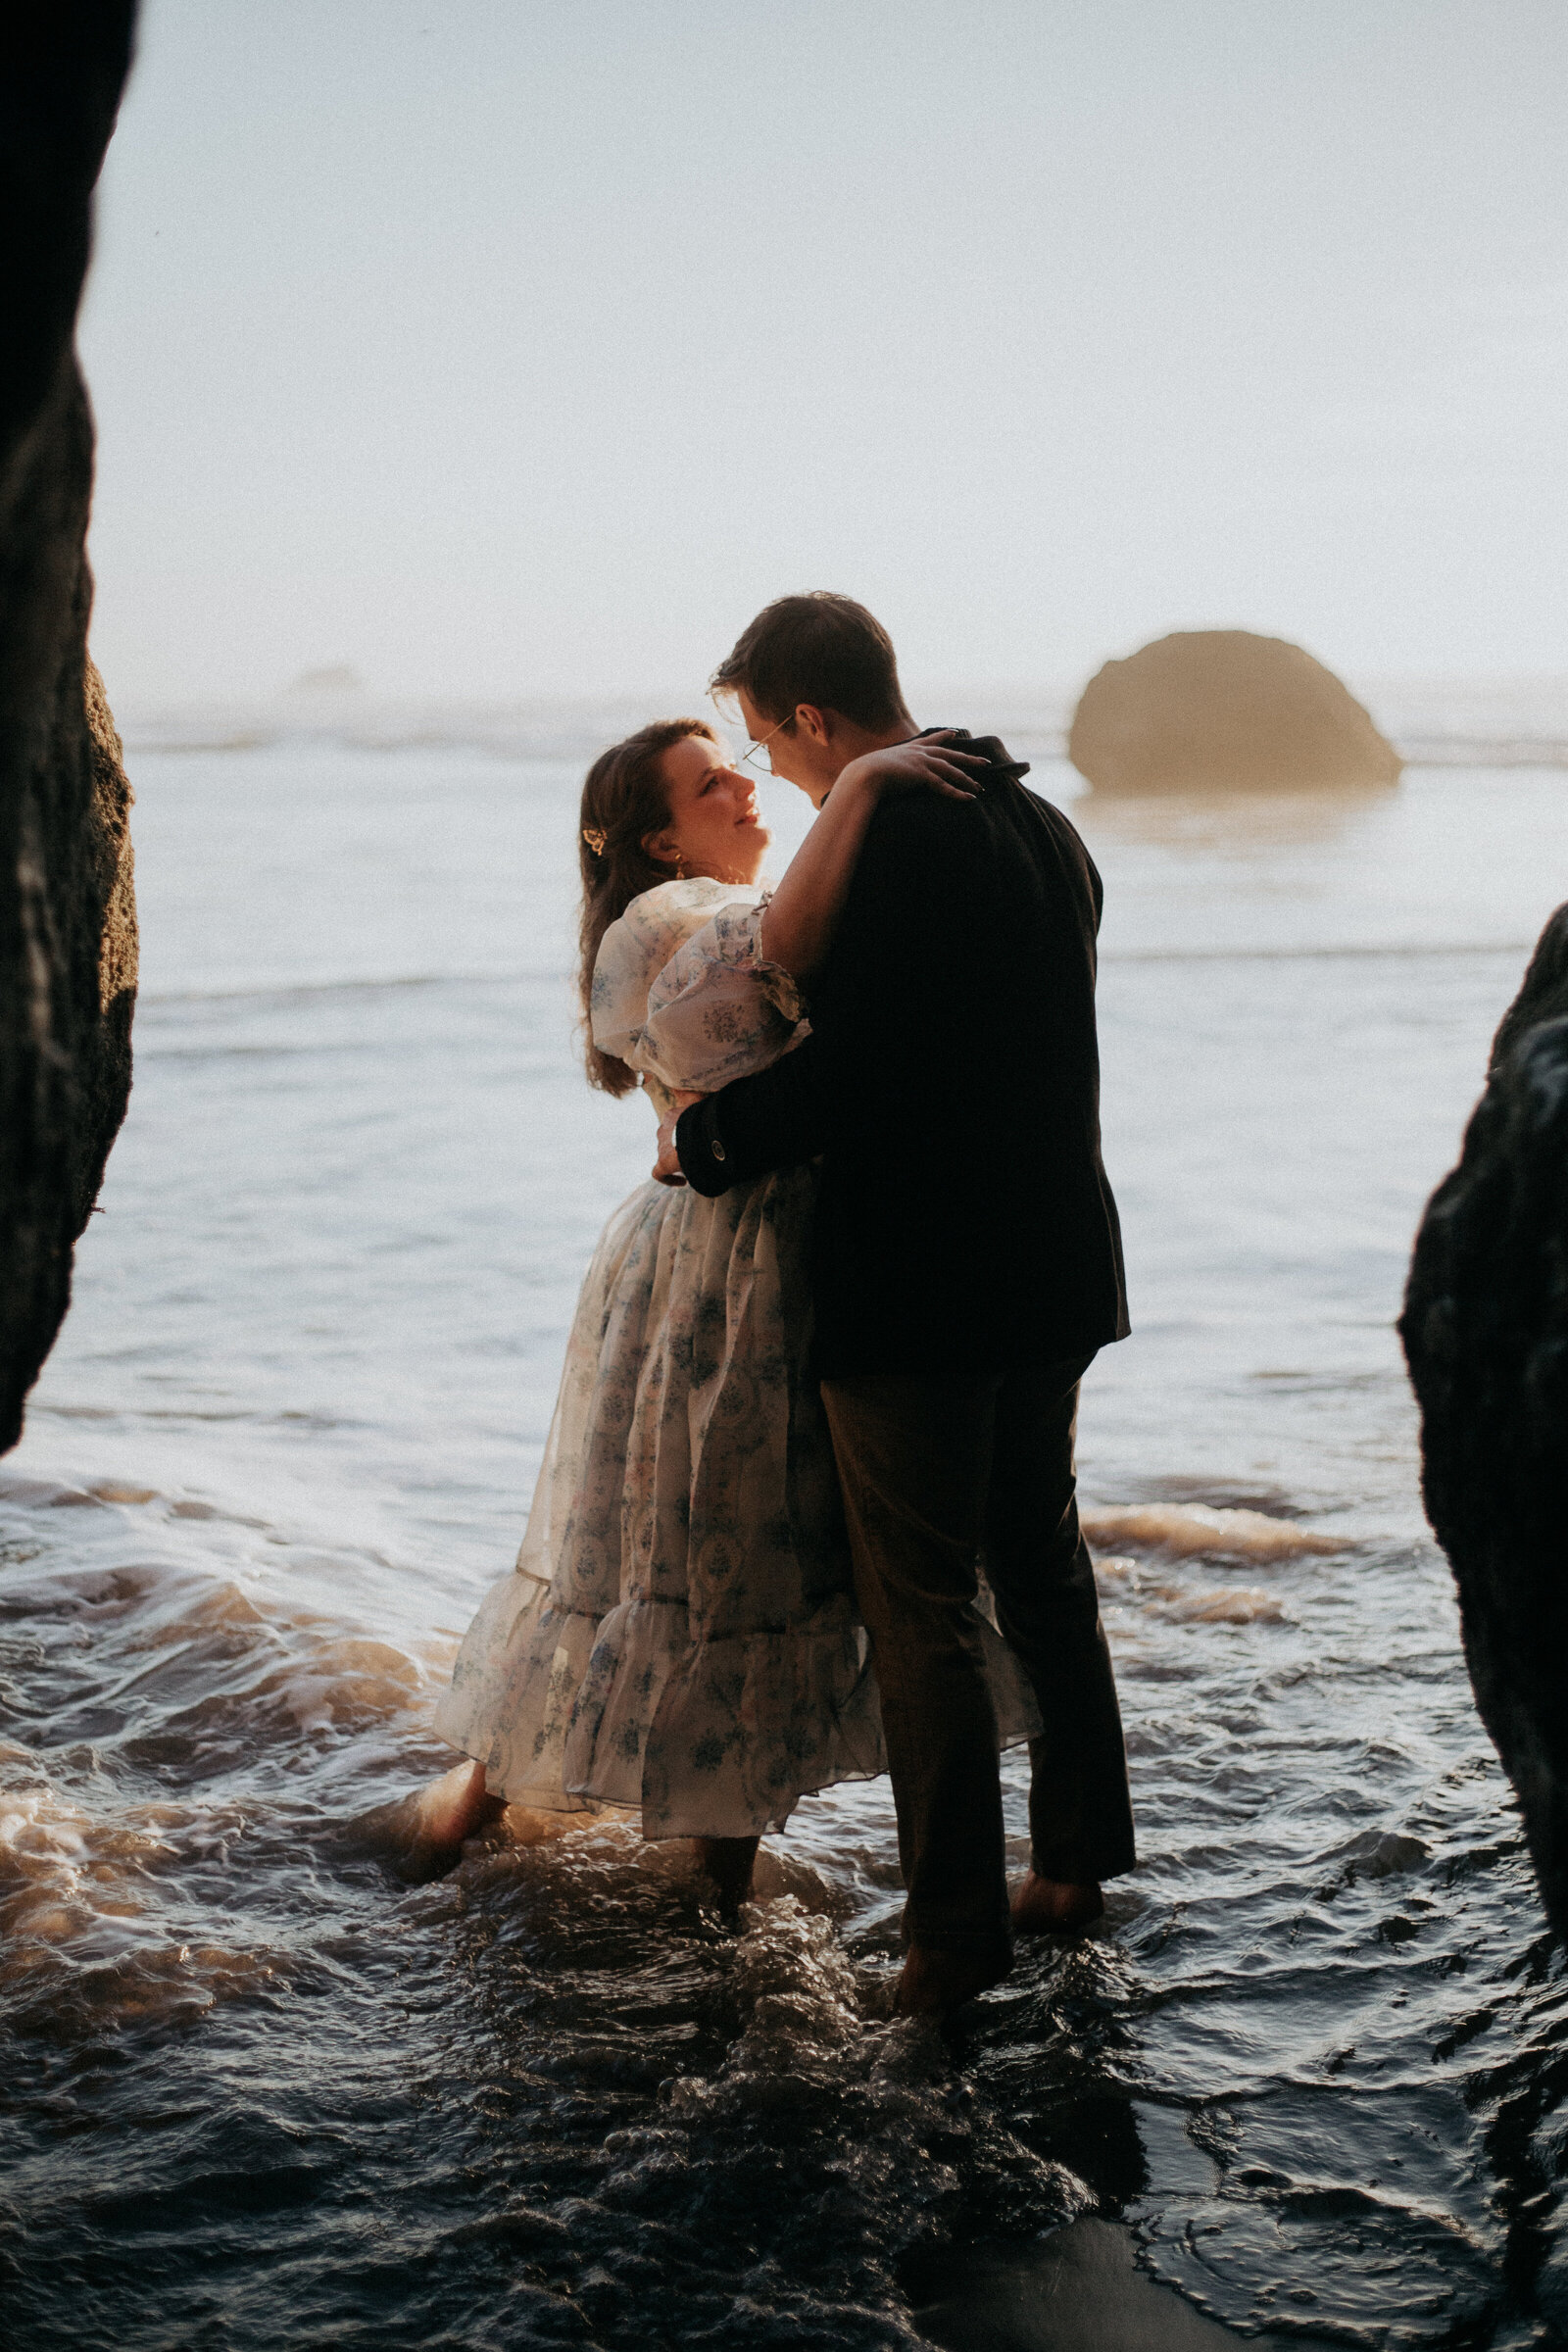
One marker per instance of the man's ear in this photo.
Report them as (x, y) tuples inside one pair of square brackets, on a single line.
[(817, 724)]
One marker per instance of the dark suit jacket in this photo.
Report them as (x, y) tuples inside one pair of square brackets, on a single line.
[(952, 1085)]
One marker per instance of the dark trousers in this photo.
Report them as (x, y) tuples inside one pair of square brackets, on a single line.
[(932, 1472)]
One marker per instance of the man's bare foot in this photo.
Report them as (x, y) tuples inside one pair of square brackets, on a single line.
[(729, 1862), (934, 1983), (1053, 1907), (424, 1833)]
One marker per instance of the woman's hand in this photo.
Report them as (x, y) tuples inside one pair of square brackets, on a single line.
[(667, 1168), (932, 761)]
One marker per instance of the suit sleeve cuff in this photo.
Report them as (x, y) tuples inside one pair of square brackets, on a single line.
[(700, 1148)]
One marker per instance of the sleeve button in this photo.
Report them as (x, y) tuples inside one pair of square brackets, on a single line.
[(719, 1149)]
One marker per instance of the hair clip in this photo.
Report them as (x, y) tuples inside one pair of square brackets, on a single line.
[(593, 836)]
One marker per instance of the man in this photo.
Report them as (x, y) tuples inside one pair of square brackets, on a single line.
[(967, 1266)]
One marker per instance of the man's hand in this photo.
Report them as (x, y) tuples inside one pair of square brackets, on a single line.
[(667, 1168)]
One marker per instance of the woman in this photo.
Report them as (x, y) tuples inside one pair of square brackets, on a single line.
[(679, 1634)]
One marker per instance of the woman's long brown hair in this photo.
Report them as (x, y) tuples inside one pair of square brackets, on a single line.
[(624, 798)]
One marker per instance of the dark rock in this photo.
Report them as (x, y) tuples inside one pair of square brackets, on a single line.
[(67, 923), (1486, 1335), (1212, 709)]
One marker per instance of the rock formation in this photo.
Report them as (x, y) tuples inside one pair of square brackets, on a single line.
[(1221, 708), (1486, 1335), (68, 925)]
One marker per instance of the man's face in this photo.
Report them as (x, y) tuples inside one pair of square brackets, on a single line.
[(798, 753)]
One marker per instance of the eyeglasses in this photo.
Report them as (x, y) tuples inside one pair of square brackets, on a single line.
[(753, 756)]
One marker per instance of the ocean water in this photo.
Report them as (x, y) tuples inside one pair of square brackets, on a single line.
[(260, 2092)]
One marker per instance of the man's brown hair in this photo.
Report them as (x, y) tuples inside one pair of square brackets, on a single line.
[(820, 649)]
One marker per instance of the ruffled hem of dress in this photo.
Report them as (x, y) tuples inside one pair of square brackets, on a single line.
[(719, 1738), (722, 1735), (711, 1738)]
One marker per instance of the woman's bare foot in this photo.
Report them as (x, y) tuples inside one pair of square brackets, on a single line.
[(934, 1983), (1053, 1907), (424, 1833), (729, 1862)]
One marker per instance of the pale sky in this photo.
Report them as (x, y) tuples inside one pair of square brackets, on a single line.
[(505, 348)]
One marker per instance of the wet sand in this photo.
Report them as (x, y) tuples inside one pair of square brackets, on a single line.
[(1079, 2290)]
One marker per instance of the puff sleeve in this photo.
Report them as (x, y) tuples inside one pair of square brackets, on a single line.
[(634, 951), (718, 1011)]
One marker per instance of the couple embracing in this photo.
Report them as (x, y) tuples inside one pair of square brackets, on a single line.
[(807, 1508)]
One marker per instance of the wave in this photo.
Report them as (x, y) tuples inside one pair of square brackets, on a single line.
[(1200, 1531), (1377, 950), (307, 991), (287, 992), (1483, 750), (535, 730), (1515, 723), (580, 744)]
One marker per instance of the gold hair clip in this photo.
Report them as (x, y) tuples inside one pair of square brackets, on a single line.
[(593, 836)]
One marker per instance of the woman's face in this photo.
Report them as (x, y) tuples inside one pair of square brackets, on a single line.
[(714, 822)]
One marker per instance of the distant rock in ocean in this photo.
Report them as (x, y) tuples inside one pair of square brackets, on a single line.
[(1220, 708), (1486, 1333), (68, 916), (339, 679)]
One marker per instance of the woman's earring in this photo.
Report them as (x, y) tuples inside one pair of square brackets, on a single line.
[(680, 868)]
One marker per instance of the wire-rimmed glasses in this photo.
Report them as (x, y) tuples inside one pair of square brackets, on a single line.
[(753, 756)]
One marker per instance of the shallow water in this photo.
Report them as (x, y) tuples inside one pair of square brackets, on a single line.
[(262, 2092)]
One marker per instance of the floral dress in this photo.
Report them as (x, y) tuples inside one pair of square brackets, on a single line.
[(679, 1634)]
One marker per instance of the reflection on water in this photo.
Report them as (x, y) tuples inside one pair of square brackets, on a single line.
[(262, 2092), (1231, 824), (1449, 857)]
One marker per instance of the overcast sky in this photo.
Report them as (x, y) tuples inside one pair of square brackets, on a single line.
[(515, 347)]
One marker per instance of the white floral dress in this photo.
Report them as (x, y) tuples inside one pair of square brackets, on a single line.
[(679, 1632)]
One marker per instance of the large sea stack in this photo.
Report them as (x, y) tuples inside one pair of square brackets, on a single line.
[(67, 922), (1486, 1335), (1211, 709)]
